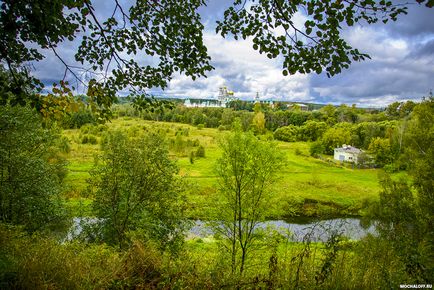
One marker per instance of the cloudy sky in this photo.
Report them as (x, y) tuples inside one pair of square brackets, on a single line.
[(401, 68)]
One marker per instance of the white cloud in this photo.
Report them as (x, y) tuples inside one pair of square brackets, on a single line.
[(244, 71)]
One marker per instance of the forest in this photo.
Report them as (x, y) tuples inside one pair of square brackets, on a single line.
[(135, 186)]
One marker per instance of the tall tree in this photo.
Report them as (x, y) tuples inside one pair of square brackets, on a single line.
[(246, 170), (136, 190), (405, 214), (30, 170)]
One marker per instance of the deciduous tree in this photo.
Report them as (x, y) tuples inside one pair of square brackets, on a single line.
[(246, 170), (136, 190), (30, 170)]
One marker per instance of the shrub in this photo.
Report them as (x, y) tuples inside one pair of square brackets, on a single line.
[(89, 139), (88, 129), (78, 119), (287, 133), (64, 145), (179, 144), (84, 139), (316, 148), (200, 152)]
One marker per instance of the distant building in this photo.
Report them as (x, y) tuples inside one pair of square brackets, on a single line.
[(347, 153), (225, 96), (199, 103), (302, 107)]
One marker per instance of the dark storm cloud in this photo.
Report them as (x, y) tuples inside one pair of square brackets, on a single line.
[(419, 22), (367, 83), (422, 50), (402, 65)]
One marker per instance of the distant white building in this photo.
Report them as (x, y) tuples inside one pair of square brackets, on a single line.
[(347, 153), (225, 96), (302, 107), (192, 103)]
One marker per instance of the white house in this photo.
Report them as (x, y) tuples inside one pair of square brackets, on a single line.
[(347, 153)]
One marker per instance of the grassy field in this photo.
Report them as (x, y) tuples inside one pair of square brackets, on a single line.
[(306, 186)]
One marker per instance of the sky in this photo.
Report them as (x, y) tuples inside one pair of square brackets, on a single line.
[(401, 66)]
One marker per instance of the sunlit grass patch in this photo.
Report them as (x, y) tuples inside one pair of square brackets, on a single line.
[(336, 190)]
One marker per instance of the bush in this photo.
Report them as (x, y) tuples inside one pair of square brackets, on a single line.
[(200, 152), (78, 119), (89, 139), (88, 129), (316, 148), (64, 144), (287, 134)]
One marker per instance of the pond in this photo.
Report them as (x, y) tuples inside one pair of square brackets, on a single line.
[(300, 229)]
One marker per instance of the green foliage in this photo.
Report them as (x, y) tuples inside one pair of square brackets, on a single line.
[(258, 123), (89, 139), (398, 110), (18, 87), (64, 144), (78, 119), (401, 224), (200, 152), (329, 114), (363, 133), (191, 157), (246, 170), (179, 144), (136, 191), (341, 191), (31, 170), (419, 140), (312, 130), (405, 213), (334, 137), (381, 150), (41, 262), (287, 134), (316, 148)]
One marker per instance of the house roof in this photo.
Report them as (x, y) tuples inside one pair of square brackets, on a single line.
[(348, 149)]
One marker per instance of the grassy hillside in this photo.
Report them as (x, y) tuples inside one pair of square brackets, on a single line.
[(307, 186)]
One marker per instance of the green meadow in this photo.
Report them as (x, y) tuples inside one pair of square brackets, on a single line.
[(306, 186)]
